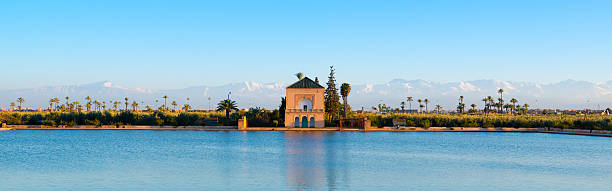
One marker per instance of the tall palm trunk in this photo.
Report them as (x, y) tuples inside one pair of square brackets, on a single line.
[(345, 103), (501, 101)]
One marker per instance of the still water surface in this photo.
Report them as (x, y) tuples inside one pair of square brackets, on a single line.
[(201, 160)]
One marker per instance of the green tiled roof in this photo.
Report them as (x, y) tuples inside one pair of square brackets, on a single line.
[(305, 83)]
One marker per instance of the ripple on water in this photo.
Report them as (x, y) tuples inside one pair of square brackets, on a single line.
[(203, 160)]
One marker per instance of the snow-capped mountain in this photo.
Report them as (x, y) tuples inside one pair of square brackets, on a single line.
[(569, 94), (248, 94)]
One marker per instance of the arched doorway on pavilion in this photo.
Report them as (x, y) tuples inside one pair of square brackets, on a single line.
[(296, 123), (304, 122), (312, 122)]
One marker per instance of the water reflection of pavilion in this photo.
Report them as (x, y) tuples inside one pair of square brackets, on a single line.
[(313, 161)]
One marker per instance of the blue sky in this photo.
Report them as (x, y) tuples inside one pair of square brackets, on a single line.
[(176, 44)]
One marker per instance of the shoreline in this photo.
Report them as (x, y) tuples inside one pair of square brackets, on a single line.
[(598, 133)]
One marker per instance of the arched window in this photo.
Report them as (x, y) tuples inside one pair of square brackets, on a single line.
[(305, 104), (297, 122), (312, 122)]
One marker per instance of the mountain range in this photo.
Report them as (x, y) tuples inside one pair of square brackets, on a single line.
[(568, 94)]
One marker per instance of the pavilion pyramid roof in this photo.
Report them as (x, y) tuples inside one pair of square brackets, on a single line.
[(305, 83)]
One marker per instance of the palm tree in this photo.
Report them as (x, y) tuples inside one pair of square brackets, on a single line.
[(134, 106), (79, 107), (127, 102), (174, 105), (438, 108), (491, 103), (51, 101), (461, 105), (473, 107), (76, 105), (165, 98), (420, 104), (103, 105), (116, 105), (61, 107), (299, 75), (526, 107), (500, 104), (88, 102), (345, 90), (485, 100), (187, 107), (513, 104), (56, 101), (426, 102), (227, 106), (403, 105), (410, 102), (12, 105), (97, 103), (20, 100), (508, 107), (501, 98), (67, 101)]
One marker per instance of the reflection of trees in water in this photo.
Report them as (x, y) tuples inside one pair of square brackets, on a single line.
[(336, 161), (312, 160)]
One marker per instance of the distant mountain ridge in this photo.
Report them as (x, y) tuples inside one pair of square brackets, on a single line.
[(568, 94)]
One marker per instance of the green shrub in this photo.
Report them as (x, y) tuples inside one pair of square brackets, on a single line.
[(14, 119), (48, 122), (470, 123), (425, 123), (95, 122), (185, 119)]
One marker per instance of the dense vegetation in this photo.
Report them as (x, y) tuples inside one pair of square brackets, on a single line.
[(273, 118), (596, 122), (255, 117)]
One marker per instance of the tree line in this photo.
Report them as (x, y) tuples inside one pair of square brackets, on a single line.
[(55, 104), (490, 105)]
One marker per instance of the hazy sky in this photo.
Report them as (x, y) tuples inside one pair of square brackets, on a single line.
[(175, 44)]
